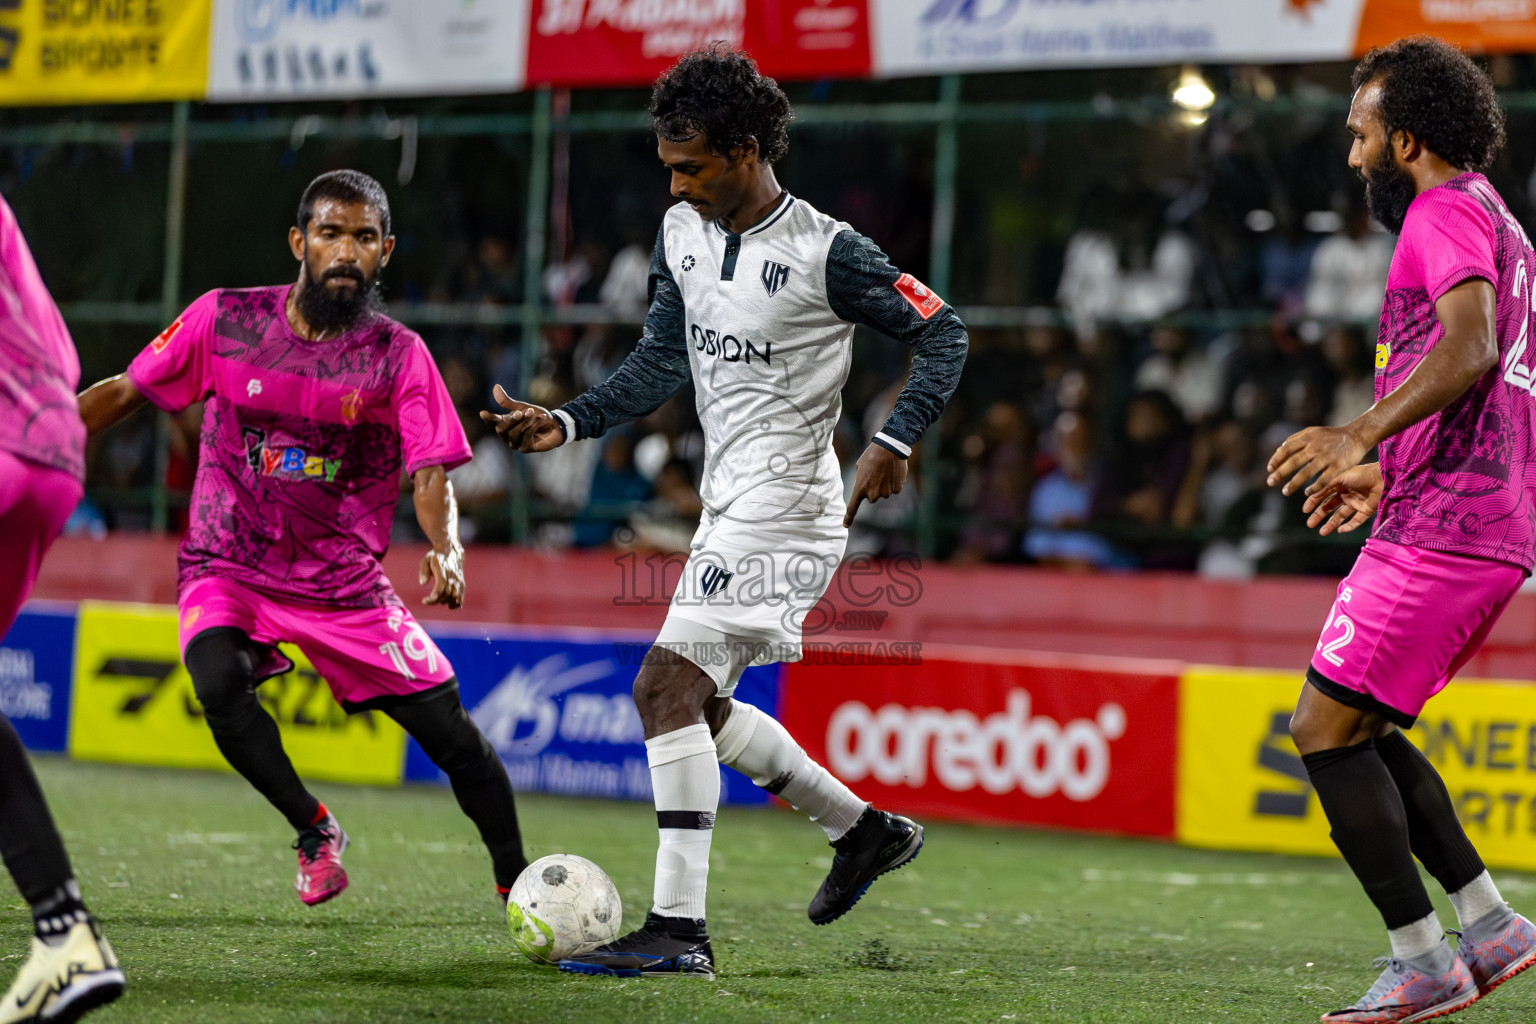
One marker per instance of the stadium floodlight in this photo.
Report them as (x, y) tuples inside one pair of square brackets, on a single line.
[(1194, 95)]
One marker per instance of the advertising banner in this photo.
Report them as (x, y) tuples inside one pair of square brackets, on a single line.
[(919, 37), (559, 710), (65, 51), (995, 736), (36, 666), (1242, 785), (346, 49), (623, 42), (134, 704)]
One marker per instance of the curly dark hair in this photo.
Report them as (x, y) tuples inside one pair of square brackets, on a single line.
[(1438, 95), (719, 93), (344, 187)]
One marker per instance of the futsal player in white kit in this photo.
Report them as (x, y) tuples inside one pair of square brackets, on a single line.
[(754, 296)]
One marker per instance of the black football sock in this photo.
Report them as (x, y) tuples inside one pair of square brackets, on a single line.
[(1370, 828), (29, 841), (480, 783), (222, 662), (58, 912), (1434, 832)]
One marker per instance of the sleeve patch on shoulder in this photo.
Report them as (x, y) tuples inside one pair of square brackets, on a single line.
[(164, 337), (922, 299)]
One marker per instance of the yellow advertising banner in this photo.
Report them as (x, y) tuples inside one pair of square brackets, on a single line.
[(1242, 785), (133, 703), (103, 51)]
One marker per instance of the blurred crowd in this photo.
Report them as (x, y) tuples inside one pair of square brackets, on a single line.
[(1105, 434)]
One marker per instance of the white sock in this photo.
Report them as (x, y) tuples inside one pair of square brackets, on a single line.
[(1414, 940), (762, 749), (1476, 900), (686, 782)]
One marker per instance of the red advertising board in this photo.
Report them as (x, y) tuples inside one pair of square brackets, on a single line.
[(993, 736), (630, 42)]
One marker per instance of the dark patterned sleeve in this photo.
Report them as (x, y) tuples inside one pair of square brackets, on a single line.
[(863, 288), (649, 375)]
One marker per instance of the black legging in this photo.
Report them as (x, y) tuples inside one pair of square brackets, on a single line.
[(29, 841), (223, 663)]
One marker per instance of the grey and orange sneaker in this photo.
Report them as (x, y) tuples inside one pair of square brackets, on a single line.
[(1408, 991), (321, 876), (1497, 947)]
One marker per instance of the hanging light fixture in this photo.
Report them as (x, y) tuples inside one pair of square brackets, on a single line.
[(1193, 95)]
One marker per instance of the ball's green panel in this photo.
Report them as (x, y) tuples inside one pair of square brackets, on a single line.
[(533, 938)]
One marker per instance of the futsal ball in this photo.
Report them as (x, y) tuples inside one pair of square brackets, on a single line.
[(562, 905)]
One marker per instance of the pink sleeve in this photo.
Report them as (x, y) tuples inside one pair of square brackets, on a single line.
[(430, 432), (176, 369), (1453, 241)]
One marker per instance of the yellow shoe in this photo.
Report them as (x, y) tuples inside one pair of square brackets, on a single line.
[(65, 981)]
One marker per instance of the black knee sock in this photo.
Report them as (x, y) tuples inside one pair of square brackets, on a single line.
[(479, 781), (29, 841), (1434, 832), (223, 663), (1370, 828)]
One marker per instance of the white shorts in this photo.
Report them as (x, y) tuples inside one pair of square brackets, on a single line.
[(746, 590)]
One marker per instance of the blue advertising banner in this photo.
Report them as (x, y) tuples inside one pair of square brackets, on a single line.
[(557, 708), (37, 659)]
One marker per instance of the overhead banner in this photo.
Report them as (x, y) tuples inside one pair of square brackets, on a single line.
[(560, 711), (131, 51), (994, 736), (1242, 785), (350, 49), (134, 704), (923, 37)]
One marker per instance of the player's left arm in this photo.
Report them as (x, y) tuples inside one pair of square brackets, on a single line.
[(864, 288), (1468, 349), (432, 442), (438, 513)]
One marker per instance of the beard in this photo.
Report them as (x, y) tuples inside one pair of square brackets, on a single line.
[(1389, 191), (329, 312)]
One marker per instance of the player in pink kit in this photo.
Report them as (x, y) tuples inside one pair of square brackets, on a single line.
[(315, 403), (1455, 537), (71, 969)]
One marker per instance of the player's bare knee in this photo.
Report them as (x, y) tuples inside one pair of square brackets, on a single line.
[(717, 711)]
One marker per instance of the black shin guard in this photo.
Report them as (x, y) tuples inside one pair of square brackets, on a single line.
[(1434, 831), (480, 783), (223, 663), (29, 841), (1370, 828)]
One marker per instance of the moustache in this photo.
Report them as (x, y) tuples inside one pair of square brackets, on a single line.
[(339, 272)]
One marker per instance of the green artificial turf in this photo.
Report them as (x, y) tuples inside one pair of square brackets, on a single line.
[(192, 875)]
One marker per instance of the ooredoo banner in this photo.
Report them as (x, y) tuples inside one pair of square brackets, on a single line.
[(1242, 785), (995, 736), (285, 49)]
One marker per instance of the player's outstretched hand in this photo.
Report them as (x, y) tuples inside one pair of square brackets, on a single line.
[(881, 473), (528, 428), (1320, 452), (1348, 502), (445, 570)]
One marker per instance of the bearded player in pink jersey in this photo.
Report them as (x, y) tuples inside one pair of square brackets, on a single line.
[(42, 462), (315, 403), (1454, 422)]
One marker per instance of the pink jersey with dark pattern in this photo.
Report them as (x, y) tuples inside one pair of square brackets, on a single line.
[(39, 370), (302, 443), (1463, 480)]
